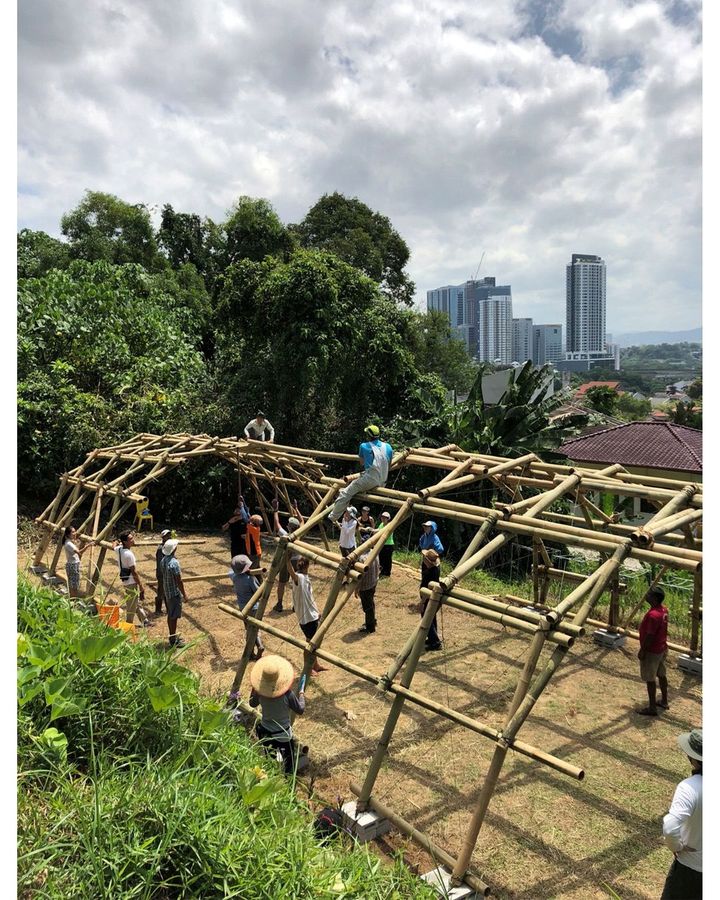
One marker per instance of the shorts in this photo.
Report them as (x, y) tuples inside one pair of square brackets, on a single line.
[(174, 606), (309, 629), (653, 666), (283, 575)]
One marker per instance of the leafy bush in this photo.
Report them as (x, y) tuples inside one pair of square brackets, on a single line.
[(131, 785)]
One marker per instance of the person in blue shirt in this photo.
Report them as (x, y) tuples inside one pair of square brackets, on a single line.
[(246, 585), (376, 456), (431, 548)]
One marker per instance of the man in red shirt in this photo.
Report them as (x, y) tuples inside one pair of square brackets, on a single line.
[(653, 651)]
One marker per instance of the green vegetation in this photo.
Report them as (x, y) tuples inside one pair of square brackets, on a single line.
[(131, 785)]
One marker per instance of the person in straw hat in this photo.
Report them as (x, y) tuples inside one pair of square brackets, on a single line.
[(682, 826), (246, 585), (271, 679)]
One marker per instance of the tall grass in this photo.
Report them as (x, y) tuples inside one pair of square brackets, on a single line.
[(131, 785)]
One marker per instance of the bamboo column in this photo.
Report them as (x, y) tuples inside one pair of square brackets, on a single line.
[(695, 612), (399, 701)]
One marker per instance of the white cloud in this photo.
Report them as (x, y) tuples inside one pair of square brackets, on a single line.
[(454, 119)]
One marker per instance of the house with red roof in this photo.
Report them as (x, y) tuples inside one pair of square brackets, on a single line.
[(584, 388)]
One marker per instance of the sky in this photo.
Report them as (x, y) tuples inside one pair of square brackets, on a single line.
[(518, 129)]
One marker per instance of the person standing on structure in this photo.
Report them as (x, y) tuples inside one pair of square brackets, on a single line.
[(260, 429), (682, 826), (376, 456), (653, 651)]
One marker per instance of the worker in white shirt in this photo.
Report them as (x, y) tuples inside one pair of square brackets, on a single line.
[(682, 827), (260, 429)]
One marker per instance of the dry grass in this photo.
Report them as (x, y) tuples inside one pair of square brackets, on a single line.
[(545, 835)]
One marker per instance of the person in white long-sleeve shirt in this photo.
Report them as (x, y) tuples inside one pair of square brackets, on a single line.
[(682, 827), (260, 429)]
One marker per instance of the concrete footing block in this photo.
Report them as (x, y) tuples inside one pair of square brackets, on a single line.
[(693, 666), (609, 639), (365, 826), (440, 879)]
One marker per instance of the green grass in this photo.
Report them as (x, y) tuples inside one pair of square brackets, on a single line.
[(132, 785)]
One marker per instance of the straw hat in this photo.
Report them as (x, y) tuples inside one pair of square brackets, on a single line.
[(430, 555), (272, 676), (691, 743)]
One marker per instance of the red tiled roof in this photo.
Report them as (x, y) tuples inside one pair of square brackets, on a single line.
[(584, 388), (654, 445)]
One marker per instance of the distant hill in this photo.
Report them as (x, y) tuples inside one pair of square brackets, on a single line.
[(638, 338)]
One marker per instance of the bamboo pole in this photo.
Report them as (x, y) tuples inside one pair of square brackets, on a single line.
[(421, 839), (566, 575), (399, 701), (646, 534), (50, 513), (449, 481), (324, 626), (695, 613), (634, 635), (319, 514)]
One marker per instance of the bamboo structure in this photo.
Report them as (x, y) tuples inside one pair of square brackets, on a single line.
[(105, 487)]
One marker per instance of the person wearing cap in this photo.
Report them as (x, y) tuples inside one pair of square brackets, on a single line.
[(430, 571), (682, 826), (159, 591), (259, 429), (366, 524), (237, 526), (386, 552), (130, 578), (365, 590), (304, 602), (271, 679), (173, 588), (429, 538), (653, 651), (253, 547), (245, 586), (294, 521), (375, 456), (348, 527)]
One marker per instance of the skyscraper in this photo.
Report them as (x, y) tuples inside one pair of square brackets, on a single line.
[(585, 306), (522, 342), (480, 313), (546, 344)]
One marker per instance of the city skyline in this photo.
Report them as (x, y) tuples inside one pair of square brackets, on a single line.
[(513, 129)]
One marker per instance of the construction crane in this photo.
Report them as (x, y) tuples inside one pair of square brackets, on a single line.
[(474, 278)]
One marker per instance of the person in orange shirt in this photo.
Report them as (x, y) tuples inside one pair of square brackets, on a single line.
[(253, 547)]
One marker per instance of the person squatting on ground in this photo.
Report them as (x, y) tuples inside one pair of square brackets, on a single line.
[(259, 429), (72, 559), (245, 586), (304, 602), (131, 581), (159, 589), (386, 552), (682, 826), (271, 679), (653, 651), (294, 521), (173, 589), (237, 526), (348, 527), (365, 590), (376, 456)]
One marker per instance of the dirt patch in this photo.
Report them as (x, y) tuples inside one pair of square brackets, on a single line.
[(545, 835)]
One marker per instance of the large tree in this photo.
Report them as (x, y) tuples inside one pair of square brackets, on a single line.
[(104, 227), (188, 239), (366, 239), (38, 252), (253, 230)]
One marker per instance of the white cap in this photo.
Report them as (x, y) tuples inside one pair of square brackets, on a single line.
[(385, 515), (169, 547)]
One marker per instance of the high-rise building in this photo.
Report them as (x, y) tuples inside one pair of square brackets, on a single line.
[(480, 313), (585, 306), (522, 340), (546, 344)]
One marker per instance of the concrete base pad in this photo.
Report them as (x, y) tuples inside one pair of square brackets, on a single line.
[(365, 826), (690, 665), (38, 570), (440, 879), (609, 639)]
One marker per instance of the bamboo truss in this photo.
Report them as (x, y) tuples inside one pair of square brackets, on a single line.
[(112, 479)]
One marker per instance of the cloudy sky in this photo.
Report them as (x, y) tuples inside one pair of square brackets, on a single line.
[(524, 129)]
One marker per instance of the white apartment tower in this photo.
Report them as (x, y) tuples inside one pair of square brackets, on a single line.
[(585, 306), (522, 340), (495, 329)]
